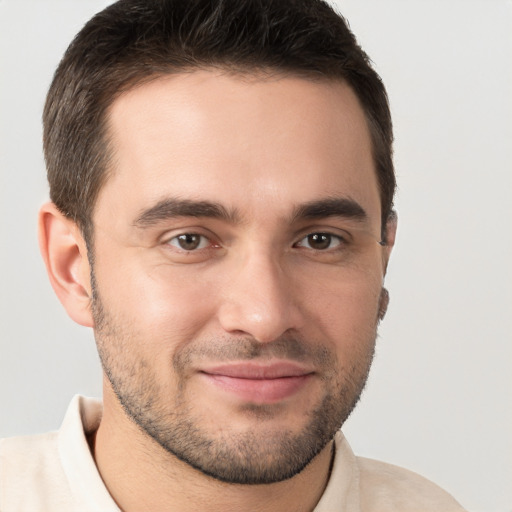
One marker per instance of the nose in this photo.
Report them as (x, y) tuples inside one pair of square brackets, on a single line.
[(260, 300)]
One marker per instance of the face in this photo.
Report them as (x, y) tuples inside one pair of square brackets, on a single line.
[(237, 268)]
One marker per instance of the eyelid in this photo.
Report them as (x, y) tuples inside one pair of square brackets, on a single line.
[(341, 241), (341, 233), (187, 230), (176, 237)]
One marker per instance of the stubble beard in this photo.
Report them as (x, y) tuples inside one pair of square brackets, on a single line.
[(262, 455)]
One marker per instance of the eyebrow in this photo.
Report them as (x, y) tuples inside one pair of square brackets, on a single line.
[(330, 207), (170, 208)]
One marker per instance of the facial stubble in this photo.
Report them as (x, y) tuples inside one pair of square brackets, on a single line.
[(262, 454)]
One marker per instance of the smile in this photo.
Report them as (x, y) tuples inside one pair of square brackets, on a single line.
[(263, 384)]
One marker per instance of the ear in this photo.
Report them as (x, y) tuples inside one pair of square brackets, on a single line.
[(391, 227), (65, 255)]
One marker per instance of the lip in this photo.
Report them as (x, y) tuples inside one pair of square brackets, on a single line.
[(259, 383)]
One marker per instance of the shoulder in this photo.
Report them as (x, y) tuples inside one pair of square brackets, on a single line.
[(27, 452), (385, 487), (54, 471), (30, 467), (358, 484)]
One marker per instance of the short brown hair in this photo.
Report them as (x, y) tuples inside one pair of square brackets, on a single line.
[(135, 40)]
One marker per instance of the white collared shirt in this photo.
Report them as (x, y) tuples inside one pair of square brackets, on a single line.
[(55, 472)]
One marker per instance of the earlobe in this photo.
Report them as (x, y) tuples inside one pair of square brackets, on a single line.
[(65, 255)]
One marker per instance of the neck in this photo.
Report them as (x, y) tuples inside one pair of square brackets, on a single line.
[(141, 475)]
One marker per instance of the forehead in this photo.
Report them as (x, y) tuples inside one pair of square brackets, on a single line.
[(251, 143)]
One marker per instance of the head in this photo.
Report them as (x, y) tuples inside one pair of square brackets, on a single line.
[(223, 187)]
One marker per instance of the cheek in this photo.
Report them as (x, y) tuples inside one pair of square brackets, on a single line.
[(159, 303), (345, 311), (340, 291)]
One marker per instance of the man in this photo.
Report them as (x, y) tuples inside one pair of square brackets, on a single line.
[(222, 217)]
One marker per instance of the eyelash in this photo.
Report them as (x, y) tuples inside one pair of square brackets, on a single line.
[(183, 235), (323, 236)]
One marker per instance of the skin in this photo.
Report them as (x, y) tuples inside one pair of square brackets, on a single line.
[(257, 293)]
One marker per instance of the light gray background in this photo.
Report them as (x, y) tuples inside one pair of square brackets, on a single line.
[(439, 400)]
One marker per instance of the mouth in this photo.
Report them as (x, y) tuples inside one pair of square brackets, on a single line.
[(259, 383)]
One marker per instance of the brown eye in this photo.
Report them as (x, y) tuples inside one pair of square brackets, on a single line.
[(189, 241), (320, 241)]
